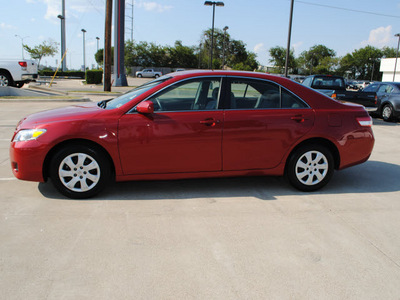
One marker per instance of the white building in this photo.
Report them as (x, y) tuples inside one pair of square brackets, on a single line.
[(387, 68)]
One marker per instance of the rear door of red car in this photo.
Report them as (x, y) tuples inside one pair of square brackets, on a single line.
[(184, 134), (263, 122)]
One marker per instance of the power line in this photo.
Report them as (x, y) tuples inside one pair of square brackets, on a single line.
[(349, 9)]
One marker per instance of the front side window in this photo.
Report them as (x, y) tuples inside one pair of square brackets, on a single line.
[(195, 94), (257, 94)]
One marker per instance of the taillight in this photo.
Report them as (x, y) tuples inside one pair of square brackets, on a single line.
[(365, 121), (23, 64), (334, 96), (376, 100)]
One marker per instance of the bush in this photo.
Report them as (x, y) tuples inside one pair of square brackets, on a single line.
[(94, 76), (50, 73)]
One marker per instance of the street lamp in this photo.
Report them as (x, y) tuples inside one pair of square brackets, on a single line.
[(397, 54), (223, 47), (84, 56), (22, 43), (213, 4)]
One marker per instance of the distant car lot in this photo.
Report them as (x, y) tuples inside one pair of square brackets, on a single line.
[(238, 237)]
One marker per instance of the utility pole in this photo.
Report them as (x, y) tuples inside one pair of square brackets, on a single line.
[(119, 44), (289, 36), (107, 47)]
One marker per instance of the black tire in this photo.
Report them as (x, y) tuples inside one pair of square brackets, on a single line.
[(387, 112), (156, 76), (139, 76), (19, 84), (80, 172), (5, 79), (310, 167)]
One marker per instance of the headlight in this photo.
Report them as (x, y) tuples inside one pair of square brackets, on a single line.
[(28, 135)]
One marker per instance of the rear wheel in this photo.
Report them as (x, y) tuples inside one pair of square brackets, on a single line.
[(19, 84), (310, 167), (387, 112), (79, 171)]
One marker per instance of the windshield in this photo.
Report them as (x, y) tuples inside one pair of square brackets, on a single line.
[(125, 98)]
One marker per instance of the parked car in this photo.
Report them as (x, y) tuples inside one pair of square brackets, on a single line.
[(335, 87), (388, 102), (148, 73), (17, 72), (194, 124)]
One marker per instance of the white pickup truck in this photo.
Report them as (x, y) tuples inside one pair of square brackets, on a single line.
[(17, 72), (148, 73)]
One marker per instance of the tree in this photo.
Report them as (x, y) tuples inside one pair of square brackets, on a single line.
[(278, 58), (318, 55), (362, 63), (47, 48), (234, 51)]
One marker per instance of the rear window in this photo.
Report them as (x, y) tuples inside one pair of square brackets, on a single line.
[(328, 83)]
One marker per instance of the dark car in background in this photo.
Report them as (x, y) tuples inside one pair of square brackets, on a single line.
[(388, 99), (335, 87)]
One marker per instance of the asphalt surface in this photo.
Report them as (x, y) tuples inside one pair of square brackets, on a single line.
[(232, 238)]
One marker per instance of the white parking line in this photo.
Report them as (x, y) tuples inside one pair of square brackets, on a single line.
[(8, 179)]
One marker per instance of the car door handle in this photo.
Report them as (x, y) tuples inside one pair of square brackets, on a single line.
[(209, 122), (298, 118)]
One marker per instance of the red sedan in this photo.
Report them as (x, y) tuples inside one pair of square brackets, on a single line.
[(194, 124)]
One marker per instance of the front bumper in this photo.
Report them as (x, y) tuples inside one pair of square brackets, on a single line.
[(27, 160)]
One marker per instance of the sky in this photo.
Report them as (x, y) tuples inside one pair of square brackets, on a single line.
[(341, 25)]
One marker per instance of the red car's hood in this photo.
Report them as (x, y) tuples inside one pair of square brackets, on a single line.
[(70, 113)]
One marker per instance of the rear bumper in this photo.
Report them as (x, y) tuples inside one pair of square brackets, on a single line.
[(29, 77)]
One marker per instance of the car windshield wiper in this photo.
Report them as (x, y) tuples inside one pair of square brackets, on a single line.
[(103, 103)]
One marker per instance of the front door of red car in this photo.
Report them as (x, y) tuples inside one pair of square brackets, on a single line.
[(263, 122), (182, 135)]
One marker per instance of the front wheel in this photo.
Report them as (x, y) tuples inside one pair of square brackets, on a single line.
[(139, 76), (79, 172), (5, 79), (310, 167)]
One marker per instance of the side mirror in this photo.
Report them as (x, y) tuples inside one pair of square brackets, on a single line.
[(145, 107)]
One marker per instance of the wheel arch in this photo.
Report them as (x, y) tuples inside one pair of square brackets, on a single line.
[(319, 141), (79, 142)]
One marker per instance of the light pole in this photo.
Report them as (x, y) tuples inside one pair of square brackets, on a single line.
[(98, 39), (200, 53), (397, 54), (22, 43), (289, 36), (63, 59), (223, 46), (84, 54), (213, 4)]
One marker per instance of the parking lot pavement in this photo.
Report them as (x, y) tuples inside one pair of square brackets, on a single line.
[(232, 238)]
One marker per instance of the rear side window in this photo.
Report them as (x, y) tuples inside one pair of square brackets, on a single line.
[(258, 94)]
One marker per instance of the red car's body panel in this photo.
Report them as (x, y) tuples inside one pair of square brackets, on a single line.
[(176, 142), (203, 143)]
